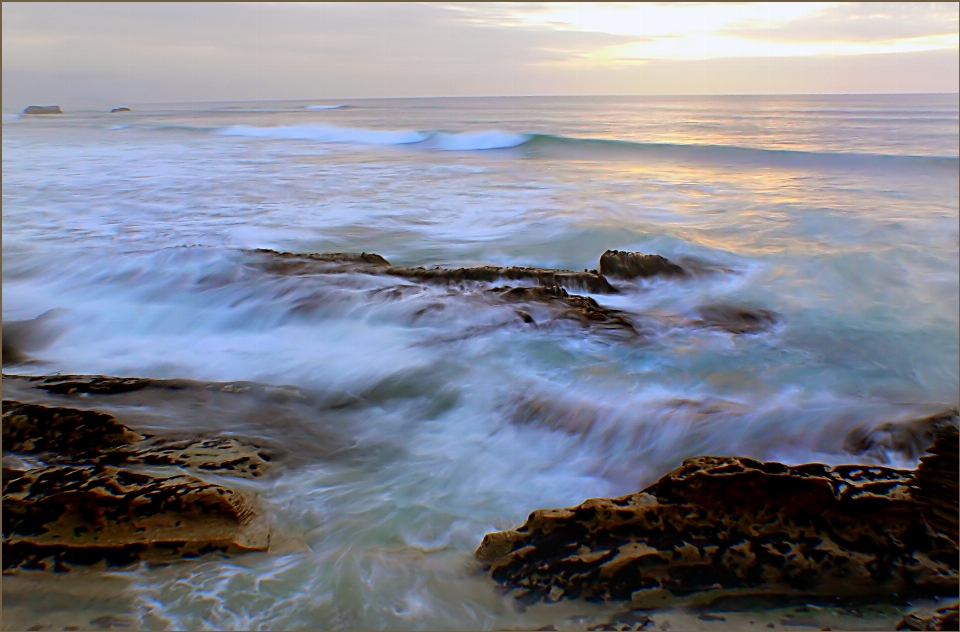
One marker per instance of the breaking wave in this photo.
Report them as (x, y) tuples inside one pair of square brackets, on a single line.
[(590, 148)]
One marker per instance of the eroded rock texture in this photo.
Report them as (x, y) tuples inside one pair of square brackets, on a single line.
[(581, 309), (86, 437), (719, 527), (945, 619), (633, 265), (369, 263), (60, 516)]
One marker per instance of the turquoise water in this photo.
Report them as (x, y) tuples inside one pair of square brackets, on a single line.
[(840, 213)]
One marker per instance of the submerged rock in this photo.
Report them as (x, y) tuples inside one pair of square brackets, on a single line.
[(582, 309), (20, 336), (947, 618), (86, 437), (120, 109), (736, 320), (722, 527), (632, 265), (42, 109), (369, 263), (61, 516)]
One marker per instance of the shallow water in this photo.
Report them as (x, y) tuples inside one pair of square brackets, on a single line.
[(838, 213)]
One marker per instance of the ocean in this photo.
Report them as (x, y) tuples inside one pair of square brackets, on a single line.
[(133, 233)]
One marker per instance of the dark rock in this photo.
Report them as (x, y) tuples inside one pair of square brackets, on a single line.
[(369, 263), (42, 109), (736, 320), (120, 109), (33, 429), (947, 618), (582, 309), (86, 437), (20, 336), (937, 486), (908, 438), (588, 281), (99, 384), (734, 527), (58, 517), (632, 265)]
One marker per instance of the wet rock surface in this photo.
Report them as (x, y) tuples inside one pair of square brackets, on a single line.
[(369, 263), (945, 619), (581, 309), (61, 516), (119, 109), (733, 527), (633, 265), (736, 319), (80, 489)]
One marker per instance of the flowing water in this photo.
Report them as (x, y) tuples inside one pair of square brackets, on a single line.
[(839, 213)]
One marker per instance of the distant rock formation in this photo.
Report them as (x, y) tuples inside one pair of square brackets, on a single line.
[(734, 527), (120, 109), (42, 109)]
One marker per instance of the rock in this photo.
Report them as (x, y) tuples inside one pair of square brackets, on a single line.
[(947, 618), (36, 429), (98, 384), (368, 263), (120, 109), (736, 320), (582, 309), (43, 109), (734, 527), (908, 438), (588, 281), (632, 265), (61, 516), (86, 437), (937, 486), (20, 336)]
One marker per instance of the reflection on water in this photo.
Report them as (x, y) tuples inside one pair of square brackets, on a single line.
[(432, 414)]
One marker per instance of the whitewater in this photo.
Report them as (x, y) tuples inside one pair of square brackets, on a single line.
[(131, 235)]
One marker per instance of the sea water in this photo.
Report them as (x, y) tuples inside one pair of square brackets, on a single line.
[(838, 213)]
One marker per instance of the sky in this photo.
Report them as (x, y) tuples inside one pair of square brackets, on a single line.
[(105, 54)]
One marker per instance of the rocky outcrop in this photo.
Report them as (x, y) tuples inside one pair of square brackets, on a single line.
[(721, 527), (88, 502), (42, 109), (735, 319), (61, 516), (581, 309), (938, 486), (947, 618), (120, 109), (633, 265), (369, 263), (86, 437)]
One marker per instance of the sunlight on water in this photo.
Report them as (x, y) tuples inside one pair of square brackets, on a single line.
[(140, 239)]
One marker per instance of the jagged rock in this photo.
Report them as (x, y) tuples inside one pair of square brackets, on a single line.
[(35, 429), (937, 484), (120, 109), (588, 281), (736, 320), (947, 618), (99, 384), (721, 527), (61, 516), (368, 263), (632, 265), (582, 309), (908, 438), (42, 109), (86, 437)]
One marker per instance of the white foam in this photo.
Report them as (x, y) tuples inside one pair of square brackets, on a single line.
[(327, 134), (11, 116), (470, 141), (326, 107)]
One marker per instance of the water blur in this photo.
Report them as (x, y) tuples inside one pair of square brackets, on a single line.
[(840, 214)]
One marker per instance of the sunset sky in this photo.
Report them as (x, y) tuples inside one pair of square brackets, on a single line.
[(94, 54)]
